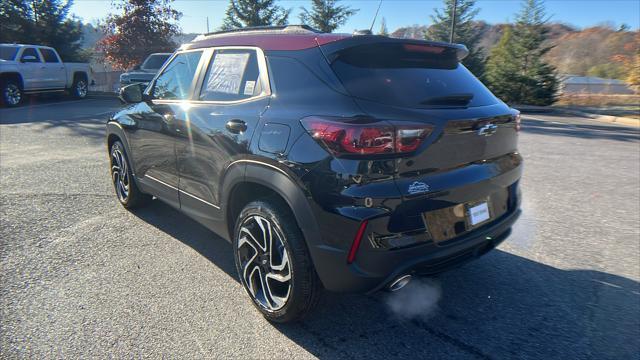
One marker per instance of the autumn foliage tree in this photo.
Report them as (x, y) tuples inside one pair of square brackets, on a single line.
[(631, 63), (142, 27)]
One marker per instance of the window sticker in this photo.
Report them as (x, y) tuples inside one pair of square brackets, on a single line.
[(226, 73), (249, 86)]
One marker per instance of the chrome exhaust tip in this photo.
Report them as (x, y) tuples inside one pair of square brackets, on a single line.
[(399, 283)]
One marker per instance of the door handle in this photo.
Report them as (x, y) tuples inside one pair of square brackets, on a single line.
[(236, 126)]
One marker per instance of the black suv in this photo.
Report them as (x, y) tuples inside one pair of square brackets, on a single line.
[(343, 162)]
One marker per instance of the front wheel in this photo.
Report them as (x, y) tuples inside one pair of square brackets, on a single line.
[(273, 262), (80, 88), (11, 93)]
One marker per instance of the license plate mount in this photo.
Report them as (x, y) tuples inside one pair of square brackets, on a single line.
[(478, 213)]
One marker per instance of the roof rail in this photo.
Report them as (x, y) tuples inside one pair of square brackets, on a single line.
[(283, 28)]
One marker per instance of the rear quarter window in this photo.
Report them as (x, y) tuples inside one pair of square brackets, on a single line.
[(49, 55), (409, 76)]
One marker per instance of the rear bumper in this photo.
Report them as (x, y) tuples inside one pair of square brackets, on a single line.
[(400, 237), (424, 259)]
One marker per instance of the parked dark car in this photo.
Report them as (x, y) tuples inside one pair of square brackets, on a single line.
[(144, 73), (348, 163)]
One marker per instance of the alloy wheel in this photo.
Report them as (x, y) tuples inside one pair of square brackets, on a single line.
[(264, 262), (12, 94), (119, 174), (81, 88)]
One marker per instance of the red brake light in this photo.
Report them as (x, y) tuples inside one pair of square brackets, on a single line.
[(361, 136)]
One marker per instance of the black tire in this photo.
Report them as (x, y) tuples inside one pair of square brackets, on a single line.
[(305, 288), (124, 184), (10, 93), (79, 88)]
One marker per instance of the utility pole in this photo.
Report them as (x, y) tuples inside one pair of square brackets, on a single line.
[(207, 24), (453, 21)]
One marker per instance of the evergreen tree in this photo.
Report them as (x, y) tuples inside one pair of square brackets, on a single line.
[(383, 28), (15, 18), (143, 27), (326, 15), (516, 70), (466, 31), (41, 22), (503, 70), (244, 13)]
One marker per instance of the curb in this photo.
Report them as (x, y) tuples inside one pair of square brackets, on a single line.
[(621, 120), (605, 118)]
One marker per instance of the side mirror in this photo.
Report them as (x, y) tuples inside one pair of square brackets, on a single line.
[(131, 94), (28, 58)]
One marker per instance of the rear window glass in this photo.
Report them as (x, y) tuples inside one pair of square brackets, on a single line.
[(409, 75), (49, 55), (232, 75)]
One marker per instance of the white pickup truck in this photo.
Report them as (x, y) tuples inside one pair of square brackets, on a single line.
[(26, 69)]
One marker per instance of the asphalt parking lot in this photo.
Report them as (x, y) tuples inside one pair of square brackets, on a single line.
[(82, 277)]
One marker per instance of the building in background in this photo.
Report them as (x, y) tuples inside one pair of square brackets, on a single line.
[(574, 84)]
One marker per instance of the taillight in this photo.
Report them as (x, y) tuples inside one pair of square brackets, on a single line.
[(517, 118), (365, 136)]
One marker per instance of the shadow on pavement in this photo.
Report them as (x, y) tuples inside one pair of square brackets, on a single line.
[(611, 132), (499, 306), (191, 233), (85, 119)]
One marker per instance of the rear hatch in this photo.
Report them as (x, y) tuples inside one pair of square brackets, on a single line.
[(471, 150)]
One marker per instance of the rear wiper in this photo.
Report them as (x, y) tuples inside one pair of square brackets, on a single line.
[(449, 100)]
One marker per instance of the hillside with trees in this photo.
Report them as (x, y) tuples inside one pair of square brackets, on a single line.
[(601, 51)]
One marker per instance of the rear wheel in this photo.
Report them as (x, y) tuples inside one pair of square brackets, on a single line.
[(123, 183), (273, 262), (80, 88), (11, 93)]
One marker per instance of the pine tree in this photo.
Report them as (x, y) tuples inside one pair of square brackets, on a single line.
[(383, 28), (243, 13), (143, 27), (516, 70), (502, 72), (466, 31), (538, 83), (326, 15), (42, 22), (15, 21)]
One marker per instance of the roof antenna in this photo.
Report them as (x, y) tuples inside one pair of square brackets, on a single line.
[(376, 16)]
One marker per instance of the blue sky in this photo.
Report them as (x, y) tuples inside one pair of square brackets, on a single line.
[(580, 13)]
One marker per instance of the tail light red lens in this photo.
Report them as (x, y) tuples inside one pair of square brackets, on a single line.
[(363, 136)]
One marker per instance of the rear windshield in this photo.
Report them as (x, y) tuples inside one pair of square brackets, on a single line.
[(8, 52), (409, 75), (155, 61)]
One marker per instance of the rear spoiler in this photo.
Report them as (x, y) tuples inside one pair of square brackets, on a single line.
[(331, 49)]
